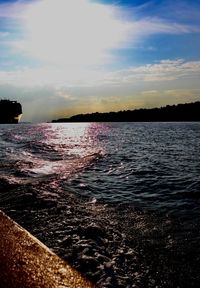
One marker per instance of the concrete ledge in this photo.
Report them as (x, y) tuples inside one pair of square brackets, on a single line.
[(27, 263)]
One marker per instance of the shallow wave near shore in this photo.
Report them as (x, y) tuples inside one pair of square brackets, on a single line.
[(119, 201)]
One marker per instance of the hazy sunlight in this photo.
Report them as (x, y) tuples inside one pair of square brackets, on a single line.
[(71, 32)]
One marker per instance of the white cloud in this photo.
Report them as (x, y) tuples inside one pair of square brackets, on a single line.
[(64, 94), (51, 76), (71, 32), (73, 40), (13, 10), (3, 34), (156, 25), (81, 33), (165, 70), (184, 93), (150, 92)]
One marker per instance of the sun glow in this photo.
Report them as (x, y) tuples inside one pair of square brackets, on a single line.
[(71, 32)]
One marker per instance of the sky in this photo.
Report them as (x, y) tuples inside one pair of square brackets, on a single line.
[(64, 57)]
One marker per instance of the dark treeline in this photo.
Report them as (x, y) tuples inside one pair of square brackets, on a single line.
[(180, 112)]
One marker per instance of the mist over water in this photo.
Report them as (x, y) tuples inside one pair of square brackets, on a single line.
[(136, 186)]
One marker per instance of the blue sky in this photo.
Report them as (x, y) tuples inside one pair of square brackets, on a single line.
[(63, 57)]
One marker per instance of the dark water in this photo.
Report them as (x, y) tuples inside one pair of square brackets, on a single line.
[(149, 165), (137, 184)]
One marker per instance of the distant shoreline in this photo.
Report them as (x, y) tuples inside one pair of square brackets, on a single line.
[(189, 112)]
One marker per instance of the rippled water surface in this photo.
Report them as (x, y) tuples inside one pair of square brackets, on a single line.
[(156, 165), (153, 167)]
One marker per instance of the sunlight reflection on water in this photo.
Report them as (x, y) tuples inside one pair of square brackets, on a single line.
[(148, 164)]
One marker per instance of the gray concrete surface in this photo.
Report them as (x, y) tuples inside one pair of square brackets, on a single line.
[(27, 263)]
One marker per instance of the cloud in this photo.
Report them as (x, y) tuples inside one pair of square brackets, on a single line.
[(165, 70), (170, 94), (184, 93), (150, 92), (71, 33), (81, 32), (155, 25), (3, 34), (13, 10), (49, 76), (62, 58)]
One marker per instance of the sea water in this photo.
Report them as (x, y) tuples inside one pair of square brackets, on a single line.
[(136, 186)]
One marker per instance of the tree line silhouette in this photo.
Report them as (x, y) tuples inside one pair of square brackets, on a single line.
[(180, 112)]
